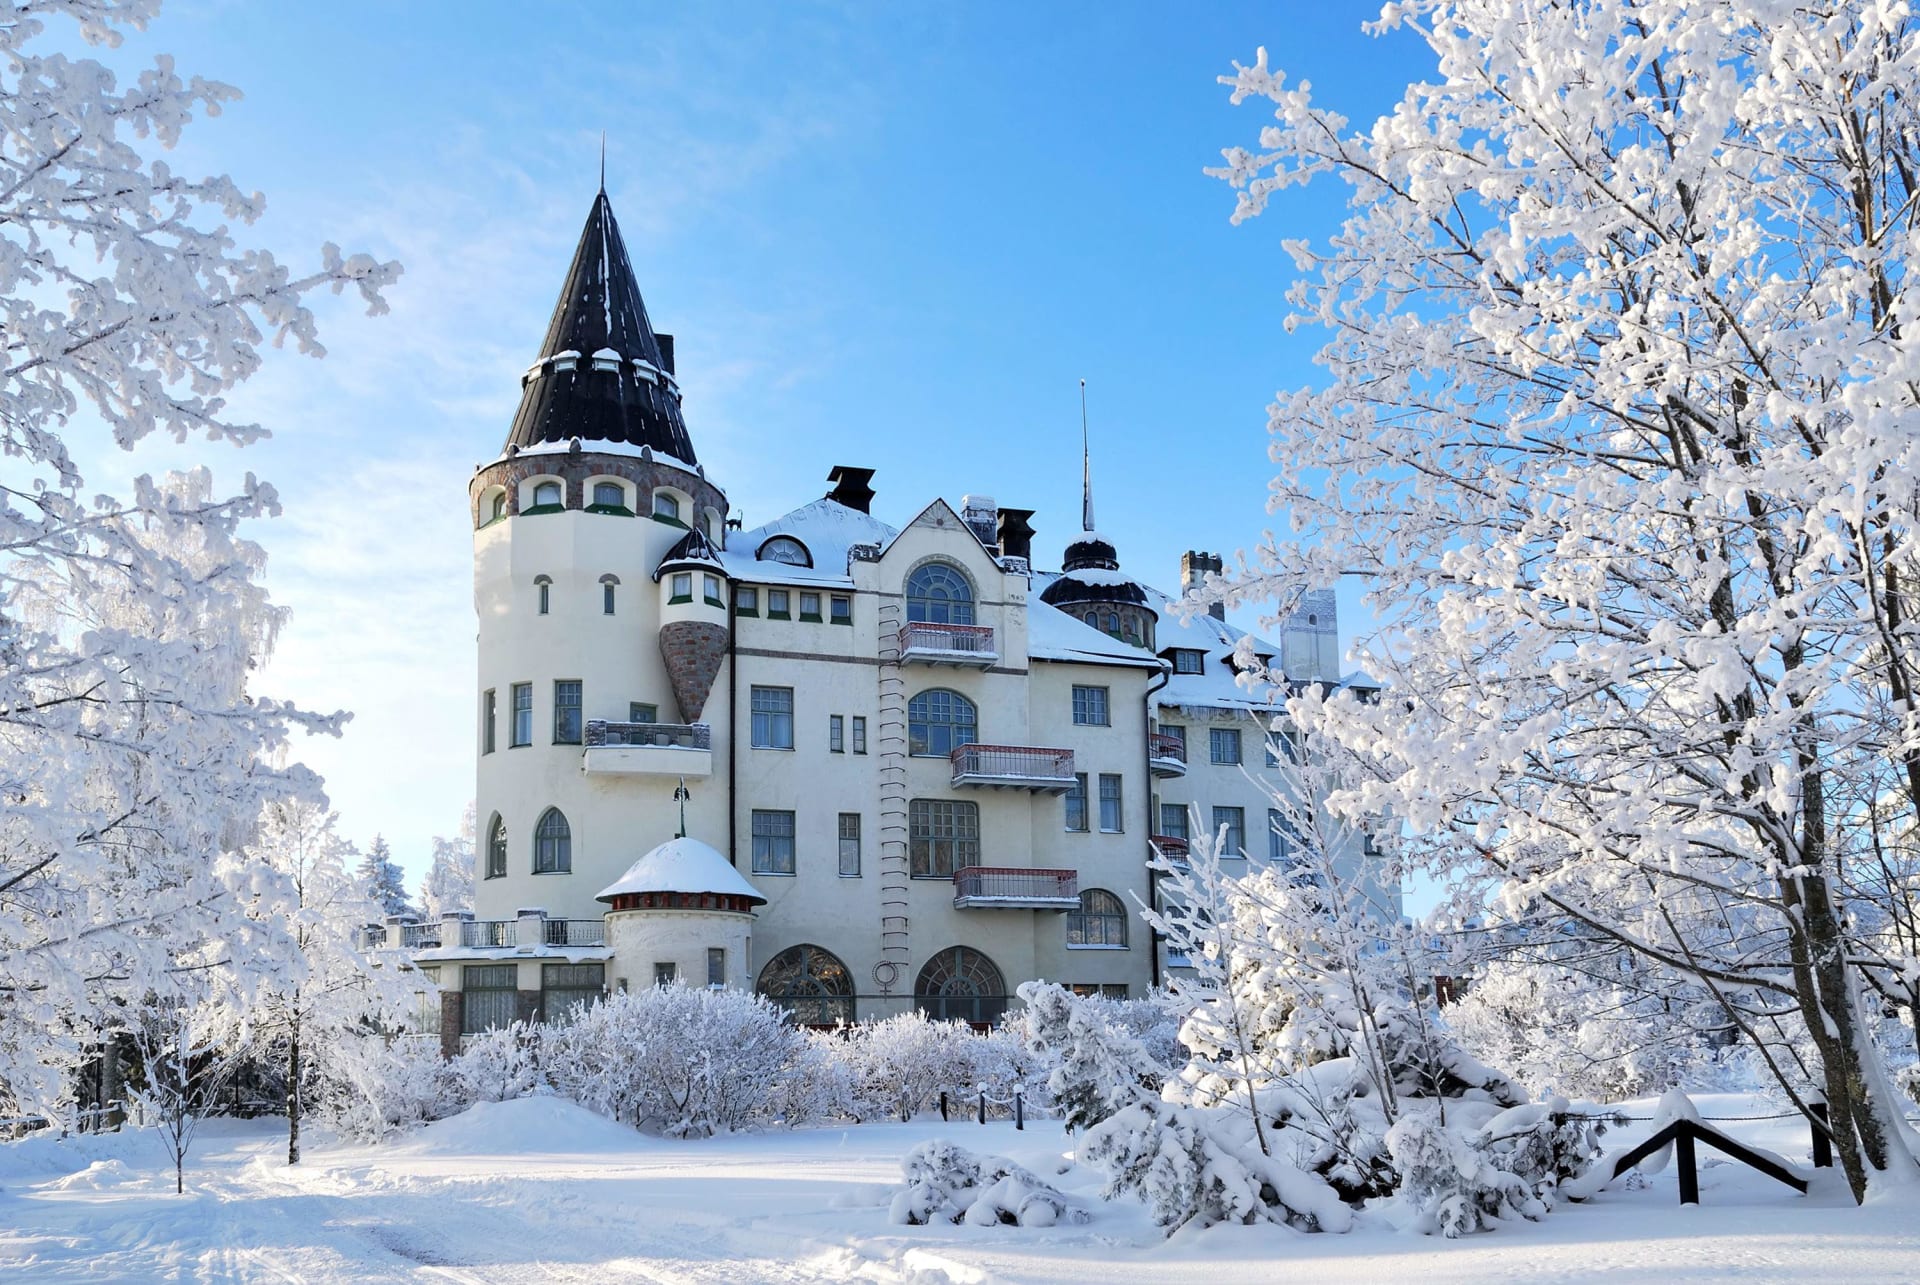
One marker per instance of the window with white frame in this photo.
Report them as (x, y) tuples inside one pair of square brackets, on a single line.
[(777, 600), (746, 600), (610, 496), (680, 587), (784, 548), (710, 588), (666, 507), (810, 606), (642, 712)]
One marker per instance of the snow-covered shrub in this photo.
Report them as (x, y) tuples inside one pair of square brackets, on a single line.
[(1193, 1165), (816, 1084), (1456, 1179), (685, 1061), (498, 1065), (1097, 1068), (900, 1066), (371, 1085), (948, 1183)]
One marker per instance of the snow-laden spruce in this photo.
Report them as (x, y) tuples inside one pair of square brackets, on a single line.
[(1619, 429), (133, 754)]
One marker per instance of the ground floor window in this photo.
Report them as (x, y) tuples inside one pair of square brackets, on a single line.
[(567, 988), (664, 974), (1100, 921), (1105, 990), (490, 996), (810, 983), (959, 984)]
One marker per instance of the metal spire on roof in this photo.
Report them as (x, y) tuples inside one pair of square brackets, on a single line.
[(681, 794), (1086, 466), (603, 162)]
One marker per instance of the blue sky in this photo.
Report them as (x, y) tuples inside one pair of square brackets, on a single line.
[(891, 235)]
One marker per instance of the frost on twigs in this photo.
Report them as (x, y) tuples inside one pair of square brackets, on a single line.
[(947, 1183)]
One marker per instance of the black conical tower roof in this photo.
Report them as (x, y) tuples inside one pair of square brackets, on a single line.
[(598, 398)]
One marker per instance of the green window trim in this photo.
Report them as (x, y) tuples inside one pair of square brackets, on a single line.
[(779, 615), (543, 508), (716, 602), (812, 619), (746, 611), (679, 598), (664, 520), (617, 510)]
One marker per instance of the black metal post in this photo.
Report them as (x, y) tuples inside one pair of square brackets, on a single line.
[(1822, 1139), (1019, 1110), (943, 1105), (1689, 1170), (983, 1106)]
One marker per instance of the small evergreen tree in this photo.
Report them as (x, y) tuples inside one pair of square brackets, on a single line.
[(383, 879)]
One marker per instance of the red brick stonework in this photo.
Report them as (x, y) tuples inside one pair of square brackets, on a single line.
[(693, 650), (574, 470)]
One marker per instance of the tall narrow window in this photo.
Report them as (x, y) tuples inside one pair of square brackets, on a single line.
[(607, 583), (837, 734), (1279, 837), (1234, 821), (859, 734), (1223, 745), (772, 842), (499, 509), (1173, 820), (1090, 706), (849, 845), (486, 721), (566, 711), (1076, 801), (772, 718), (710, 588), (522, 714), (552, 844), (1110, 810), (942, 836), (543, 594), (940, 722), (497, 848), (716, 967)]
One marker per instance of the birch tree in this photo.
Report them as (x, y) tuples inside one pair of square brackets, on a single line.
[(1619, 425)]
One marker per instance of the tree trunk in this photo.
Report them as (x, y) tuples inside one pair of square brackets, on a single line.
[(293, 1094)]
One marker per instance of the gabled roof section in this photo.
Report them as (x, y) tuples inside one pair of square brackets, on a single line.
[(693, 549), (602, 375), (829, 530), (1052, 634)]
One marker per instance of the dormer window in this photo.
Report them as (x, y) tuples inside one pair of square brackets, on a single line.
[(548, 495), (784, 548), (666, 507), (610, 497), (1187, 661)]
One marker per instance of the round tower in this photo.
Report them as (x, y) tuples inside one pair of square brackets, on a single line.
[(682, 914), (1091, 586), (587, 724)]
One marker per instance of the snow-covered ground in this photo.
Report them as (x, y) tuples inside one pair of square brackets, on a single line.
[(541, 1190)]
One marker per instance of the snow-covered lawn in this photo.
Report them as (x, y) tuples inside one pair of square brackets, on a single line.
[(541, 1190)]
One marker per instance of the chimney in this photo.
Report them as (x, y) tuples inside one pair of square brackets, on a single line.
[(666, 351), (1194, 566), (1016, 533), (851, 487), (982, 517)]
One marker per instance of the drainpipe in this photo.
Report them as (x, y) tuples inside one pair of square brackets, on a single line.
[(1153, 876), (733, 732)]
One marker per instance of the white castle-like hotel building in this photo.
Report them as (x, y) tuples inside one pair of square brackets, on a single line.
[(917, 771)]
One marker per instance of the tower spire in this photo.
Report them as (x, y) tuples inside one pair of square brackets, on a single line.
[(603, 162), (1086, 466)]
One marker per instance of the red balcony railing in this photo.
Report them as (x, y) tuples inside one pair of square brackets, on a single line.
[(1025, 766), (951, 644), (1168, 747), (1171, 846), (1016, 886)]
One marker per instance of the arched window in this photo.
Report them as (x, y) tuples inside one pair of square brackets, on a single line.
[(497, 508), (552, 844), (548, 494), (666, 506), (496, 848), (959, 984), (610, 497), (607, 582), (543, 593), (938, 594), (784, 548), (1100, 921), (939, 722), (810, 983)]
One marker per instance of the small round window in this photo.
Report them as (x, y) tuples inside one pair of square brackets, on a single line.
[(784, 548)]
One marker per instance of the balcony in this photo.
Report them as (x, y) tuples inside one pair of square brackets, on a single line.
[(1013, 767), (574, 932), (647, 749), (404, 936), (490, 934), (1170, 846), (1013, 888), (1166, 755), (930, 644)]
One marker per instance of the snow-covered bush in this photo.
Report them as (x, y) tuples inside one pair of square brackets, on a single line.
[(816, 1083), (1097, 1068), (899, 1067), (948, 1183), (498, 1065), (688, 1062), (371, 1085), (1456, 1179)]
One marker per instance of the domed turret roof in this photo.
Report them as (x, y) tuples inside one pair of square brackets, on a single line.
[(682, 865)]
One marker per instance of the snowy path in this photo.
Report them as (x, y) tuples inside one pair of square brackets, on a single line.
[(541, 1191)]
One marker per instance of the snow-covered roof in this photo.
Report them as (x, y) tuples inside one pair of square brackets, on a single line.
[(1217, 685), (826, 527), (1052, 634), (681, 865)]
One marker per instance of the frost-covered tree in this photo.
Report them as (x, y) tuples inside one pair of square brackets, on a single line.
[(1097, 1068), (333, 990), (132, 752), (385, 882), (1617, 424), (448, 883)]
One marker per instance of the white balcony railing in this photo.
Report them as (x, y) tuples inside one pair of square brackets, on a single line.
[(922, 642), (1015, 888), (1021, 767)]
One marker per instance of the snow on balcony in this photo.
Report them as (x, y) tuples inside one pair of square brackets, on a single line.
[(1015, 888), (1018, 767), (647, 749), (1166, 755), (930, 644)]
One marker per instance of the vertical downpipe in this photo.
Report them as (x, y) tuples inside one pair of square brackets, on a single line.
[(1153, 876)]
